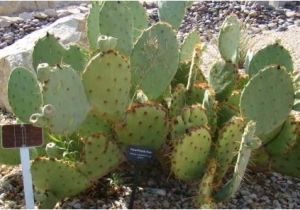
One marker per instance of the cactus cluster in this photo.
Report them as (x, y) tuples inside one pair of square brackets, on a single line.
[(138, 85)]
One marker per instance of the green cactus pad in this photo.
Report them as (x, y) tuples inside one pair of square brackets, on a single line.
[(229, 38), (93, 30), (188, 45), (204, 197), (58, 177), (154, 58), (140, 18), (173, 12), (116, 20), (222, 79), (45, 200), (24, 93), (274, 54), (65, 92), (93, 124), (286, 139), (189, 156), (49, 50), (196, 94), (100, 156), (178, 100), (106, 81), (188, 166), (228, 144), (145, 125), (180, 124), (210, 104), (268, 99)]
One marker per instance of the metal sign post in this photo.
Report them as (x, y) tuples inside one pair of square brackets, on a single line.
[(23, 136)]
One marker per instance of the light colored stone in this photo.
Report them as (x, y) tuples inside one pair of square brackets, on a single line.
[(26, 15), (68, 29), (6, 21), (50, 12)]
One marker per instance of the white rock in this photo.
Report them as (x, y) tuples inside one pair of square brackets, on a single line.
[(290, 14), (7, 21), (26, 15), (50, 12), (68, 29)]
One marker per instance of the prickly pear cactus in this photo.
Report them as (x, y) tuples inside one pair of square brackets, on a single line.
[(178, 100), (188, 45), (227, 145), (249, 142), (24, 93), (229, 38), (222, 79), (145, 125), (66, 105), (268, 99), (173, 12), (49, 50), (154, 58), (210, 104), (106, 80), (274, 54), (118, 23), (100, 156), (189, 156), (286, 139), (58, 177)]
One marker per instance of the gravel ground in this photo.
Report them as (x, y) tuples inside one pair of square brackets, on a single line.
[(157, 189)]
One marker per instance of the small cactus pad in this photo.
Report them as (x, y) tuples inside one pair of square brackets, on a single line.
[(229, 38), (274, 54), (188, 45), (58, 177), (155, 58), (106, 81), (172, 12), (268, 99), (100, 156), (204, 196), (178, 100), (49, 50), (93, 30), (286, 139), (65, 92), (93, 124), (145, 125), (222, 78), (118, 23), (140, 18), (189, 156), (228, 144), (210, 105), (192, 116), (24, 93), (106, 43)]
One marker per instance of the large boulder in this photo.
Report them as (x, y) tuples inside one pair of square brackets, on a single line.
[(69, 29)]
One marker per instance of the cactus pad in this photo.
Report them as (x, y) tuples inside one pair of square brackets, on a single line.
[(93, 30), (24, 93), (228, 145), (222, 78), (173, 12), (188, 45), (118, 23), (145, 125), (155, 58), (100, 156), (274, 54), (106, 81), (65, 92), (286, 139), (210, 104), (178, 100), (58, 177), (229, 38), (267, 99), (189, 156)]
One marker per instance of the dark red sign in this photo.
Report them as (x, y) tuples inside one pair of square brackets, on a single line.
[(21, 135)]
